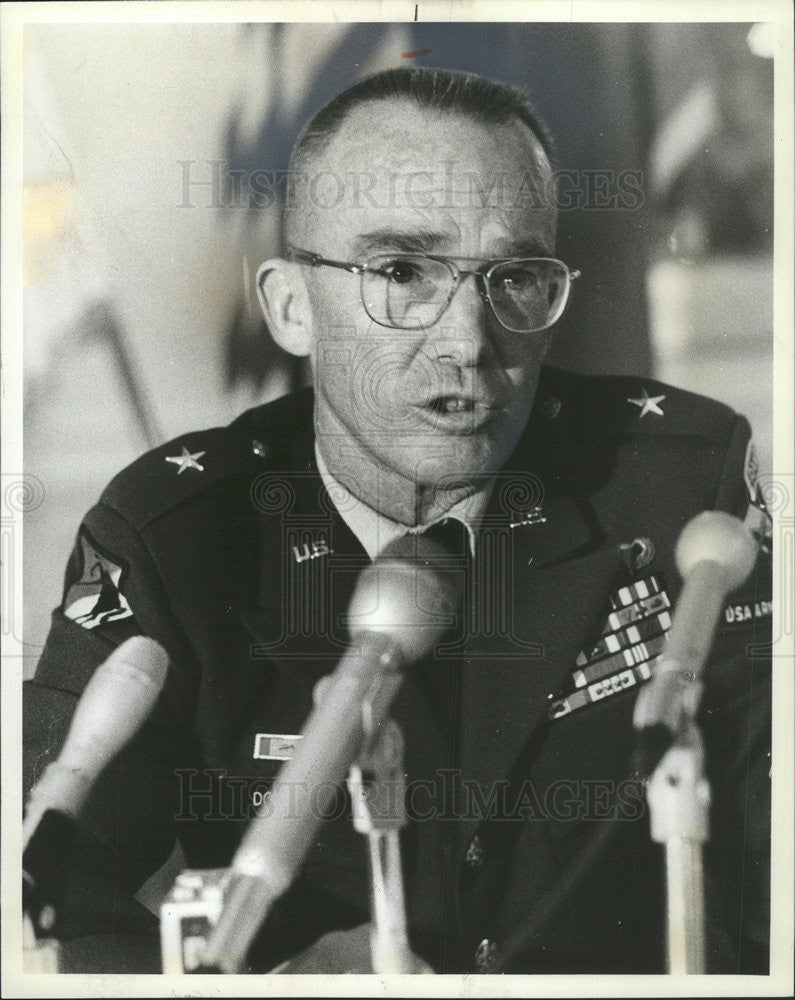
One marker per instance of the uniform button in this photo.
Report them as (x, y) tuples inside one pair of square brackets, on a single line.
[(475, 855), (486, 955), (551, 407), (259, 448)]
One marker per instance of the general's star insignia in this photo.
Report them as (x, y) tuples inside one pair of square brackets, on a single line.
[(648, 404), (186, 460)]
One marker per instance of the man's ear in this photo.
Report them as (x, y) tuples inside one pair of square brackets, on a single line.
[(283, 297)]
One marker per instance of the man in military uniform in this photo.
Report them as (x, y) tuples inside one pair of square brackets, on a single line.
[(426, 310)]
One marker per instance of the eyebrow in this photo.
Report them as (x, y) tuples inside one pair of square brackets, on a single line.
[(426, 241), (529, 247), (406, 241)]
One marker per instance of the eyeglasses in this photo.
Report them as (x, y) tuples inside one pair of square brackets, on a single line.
[(412, 291)]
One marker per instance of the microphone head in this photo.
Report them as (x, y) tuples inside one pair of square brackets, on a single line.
[(138, 660), (116, 702), (718, 537), (410, 593)]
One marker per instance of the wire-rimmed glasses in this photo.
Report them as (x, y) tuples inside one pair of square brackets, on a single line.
[(409, 291)]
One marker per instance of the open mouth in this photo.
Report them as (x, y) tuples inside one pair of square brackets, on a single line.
[(451, 404)]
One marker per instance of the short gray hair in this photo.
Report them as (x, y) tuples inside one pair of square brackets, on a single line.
[(445, 90)]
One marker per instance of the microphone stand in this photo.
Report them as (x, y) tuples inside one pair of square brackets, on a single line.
[(715, 553), (678, 795), (377, 789), (39, 954)]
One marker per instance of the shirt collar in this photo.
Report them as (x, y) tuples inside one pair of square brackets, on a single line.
[(375, 530)]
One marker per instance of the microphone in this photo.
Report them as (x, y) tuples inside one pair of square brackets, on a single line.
[(715, 554), (115, 704), (401, 607)]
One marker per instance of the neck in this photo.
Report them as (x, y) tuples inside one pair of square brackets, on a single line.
[(387, 491)]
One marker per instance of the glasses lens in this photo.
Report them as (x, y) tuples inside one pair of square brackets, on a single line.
[(528, 295), (405, 291)]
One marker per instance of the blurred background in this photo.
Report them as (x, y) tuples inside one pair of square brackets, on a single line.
[(142, 231)]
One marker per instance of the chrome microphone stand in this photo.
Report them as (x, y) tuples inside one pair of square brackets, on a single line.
[(679, 799), (715, 553), (377, 788), (39, 954)]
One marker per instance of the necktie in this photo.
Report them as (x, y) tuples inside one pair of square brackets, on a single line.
[(440, 673), (453, 538), (433, 687), (451, 535)]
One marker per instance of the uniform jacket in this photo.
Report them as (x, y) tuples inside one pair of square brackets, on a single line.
[(528, 844)]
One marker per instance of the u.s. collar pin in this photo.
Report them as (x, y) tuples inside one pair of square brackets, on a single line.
[(533, 516)]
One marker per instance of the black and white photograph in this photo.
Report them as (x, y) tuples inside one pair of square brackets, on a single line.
[(398, 507)]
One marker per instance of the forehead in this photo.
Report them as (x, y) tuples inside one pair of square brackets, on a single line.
[(457, 183)]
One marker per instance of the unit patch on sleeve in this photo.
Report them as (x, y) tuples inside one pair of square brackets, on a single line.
[(96, 598), (751, 476)]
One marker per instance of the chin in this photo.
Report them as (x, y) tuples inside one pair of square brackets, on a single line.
[(458, 460)]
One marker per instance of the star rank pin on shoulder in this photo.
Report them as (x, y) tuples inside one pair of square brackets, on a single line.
[(648, 404), (186, 460)]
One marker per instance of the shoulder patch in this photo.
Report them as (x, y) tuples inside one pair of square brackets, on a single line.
[(757, 517), (751, 476), (759, 522), (96, 597)]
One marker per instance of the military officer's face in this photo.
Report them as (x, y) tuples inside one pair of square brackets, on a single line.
[(451, 398)]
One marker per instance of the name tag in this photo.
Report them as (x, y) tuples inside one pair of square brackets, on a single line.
[(272, 746)]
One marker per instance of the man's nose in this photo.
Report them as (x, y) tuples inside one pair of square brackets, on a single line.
[(463, 334)]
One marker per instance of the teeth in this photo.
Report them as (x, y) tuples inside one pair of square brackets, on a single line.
[(455, 405)]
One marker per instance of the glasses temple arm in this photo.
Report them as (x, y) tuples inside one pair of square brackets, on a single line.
[(315, 260)]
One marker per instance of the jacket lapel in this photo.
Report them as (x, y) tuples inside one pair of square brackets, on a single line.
[(309, 564), (558, 575)]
